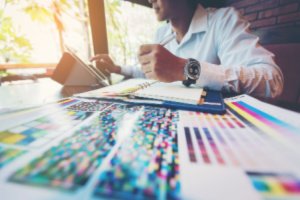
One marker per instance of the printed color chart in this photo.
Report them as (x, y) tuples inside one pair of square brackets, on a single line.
[(70, 164), (42, 130), (66, 114), (9, 154), (92, 149), (248, 138), (146, 166)]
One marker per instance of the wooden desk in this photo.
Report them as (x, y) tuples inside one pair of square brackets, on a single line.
[(28, 92)]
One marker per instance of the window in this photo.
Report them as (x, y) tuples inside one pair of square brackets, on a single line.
[(128, 26), (33, 33)]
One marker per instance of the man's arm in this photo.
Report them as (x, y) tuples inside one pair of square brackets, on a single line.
[(132, 71), (246, 67), (107, 64)]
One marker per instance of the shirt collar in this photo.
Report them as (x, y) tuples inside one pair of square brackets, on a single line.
[(198, 23), (199, 20)]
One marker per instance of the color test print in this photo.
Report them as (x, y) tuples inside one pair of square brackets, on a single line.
[(41, 130), (146, 165), (270, 139), (241, 143), (275, 184), (67, 102), (7, 155), (206, 140), (89, 106), (274, 127), (231, 140), (71, 163)]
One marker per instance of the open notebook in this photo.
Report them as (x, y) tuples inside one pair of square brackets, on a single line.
[(150, 89), (150, 92)]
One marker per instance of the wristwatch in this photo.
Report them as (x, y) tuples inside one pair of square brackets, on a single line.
[(192, 71)]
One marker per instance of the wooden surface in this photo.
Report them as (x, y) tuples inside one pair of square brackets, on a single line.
[(29, 65), (30, 93)]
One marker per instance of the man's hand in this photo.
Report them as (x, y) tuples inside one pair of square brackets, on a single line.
[(160, 64), (105, 63)]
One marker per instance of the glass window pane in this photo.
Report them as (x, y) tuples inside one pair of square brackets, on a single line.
[(35, 31), (128, 25)]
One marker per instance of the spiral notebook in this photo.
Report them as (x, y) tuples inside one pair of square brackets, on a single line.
[(174, 95)]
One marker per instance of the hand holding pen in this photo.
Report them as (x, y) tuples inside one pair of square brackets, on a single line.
[(156, 62), (160, 64)]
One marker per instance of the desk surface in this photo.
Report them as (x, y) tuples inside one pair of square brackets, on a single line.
[(39, 92), (80, 149)]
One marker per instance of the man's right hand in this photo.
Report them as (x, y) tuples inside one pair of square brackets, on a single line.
[(105, 63)]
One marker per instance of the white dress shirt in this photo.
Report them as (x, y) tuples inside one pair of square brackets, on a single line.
[(230, 56)]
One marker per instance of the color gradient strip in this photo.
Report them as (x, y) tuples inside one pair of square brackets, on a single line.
[(273, 184), (190, 146), (225, 145), (67, 102), (213, 145), (202, 148), (256, 120), (269, 120)]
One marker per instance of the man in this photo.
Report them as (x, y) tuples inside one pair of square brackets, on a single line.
[(212, 48)]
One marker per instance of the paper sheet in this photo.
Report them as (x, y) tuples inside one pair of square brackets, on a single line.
[(254, 140)]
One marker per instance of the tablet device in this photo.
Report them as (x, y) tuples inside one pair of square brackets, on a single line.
[(73, 71)]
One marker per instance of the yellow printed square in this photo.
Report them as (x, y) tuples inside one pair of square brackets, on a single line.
[(275, 186), (13, 139), (4, 134)]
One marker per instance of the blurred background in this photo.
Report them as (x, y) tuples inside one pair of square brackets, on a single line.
[(33, 33)]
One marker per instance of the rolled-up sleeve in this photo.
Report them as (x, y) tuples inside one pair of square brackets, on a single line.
[(246, 67), (133, 71)]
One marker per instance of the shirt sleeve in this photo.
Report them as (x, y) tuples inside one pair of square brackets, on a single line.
[(132, 71), (246, 67), (135, 70)]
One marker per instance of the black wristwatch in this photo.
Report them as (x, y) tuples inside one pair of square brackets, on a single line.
[(192, 71)]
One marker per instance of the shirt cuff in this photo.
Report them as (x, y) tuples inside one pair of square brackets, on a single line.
[(132, 71), (126, 71), (211, 76)]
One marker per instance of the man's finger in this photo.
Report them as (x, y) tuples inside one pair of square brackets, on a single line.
[(146, 68), (145, 49), (106, 66), (101, 56), (144, 59), (151, 75), (96, 57)]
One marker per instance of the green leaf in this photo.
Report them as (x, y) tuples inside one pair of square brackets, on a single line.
[(22, 42), (38, 13)]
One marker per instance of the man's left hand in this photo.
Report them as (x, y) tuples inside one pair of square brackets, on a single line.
[(160, 64)]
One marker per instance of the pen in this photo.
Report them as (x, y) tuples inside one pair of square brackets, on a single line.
[(163, 42), (167, 39)]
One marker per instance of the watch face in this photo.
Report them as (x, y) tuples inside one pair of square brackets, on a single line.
[(193, 70)]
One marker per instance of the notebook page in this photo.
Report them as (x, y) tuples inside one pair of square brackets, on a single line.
[(175, 92), (119, 89)]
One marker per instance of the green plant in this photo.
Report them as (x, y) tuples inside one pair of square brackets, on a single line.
[(116, 32), (49, 13), (14, 47)]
